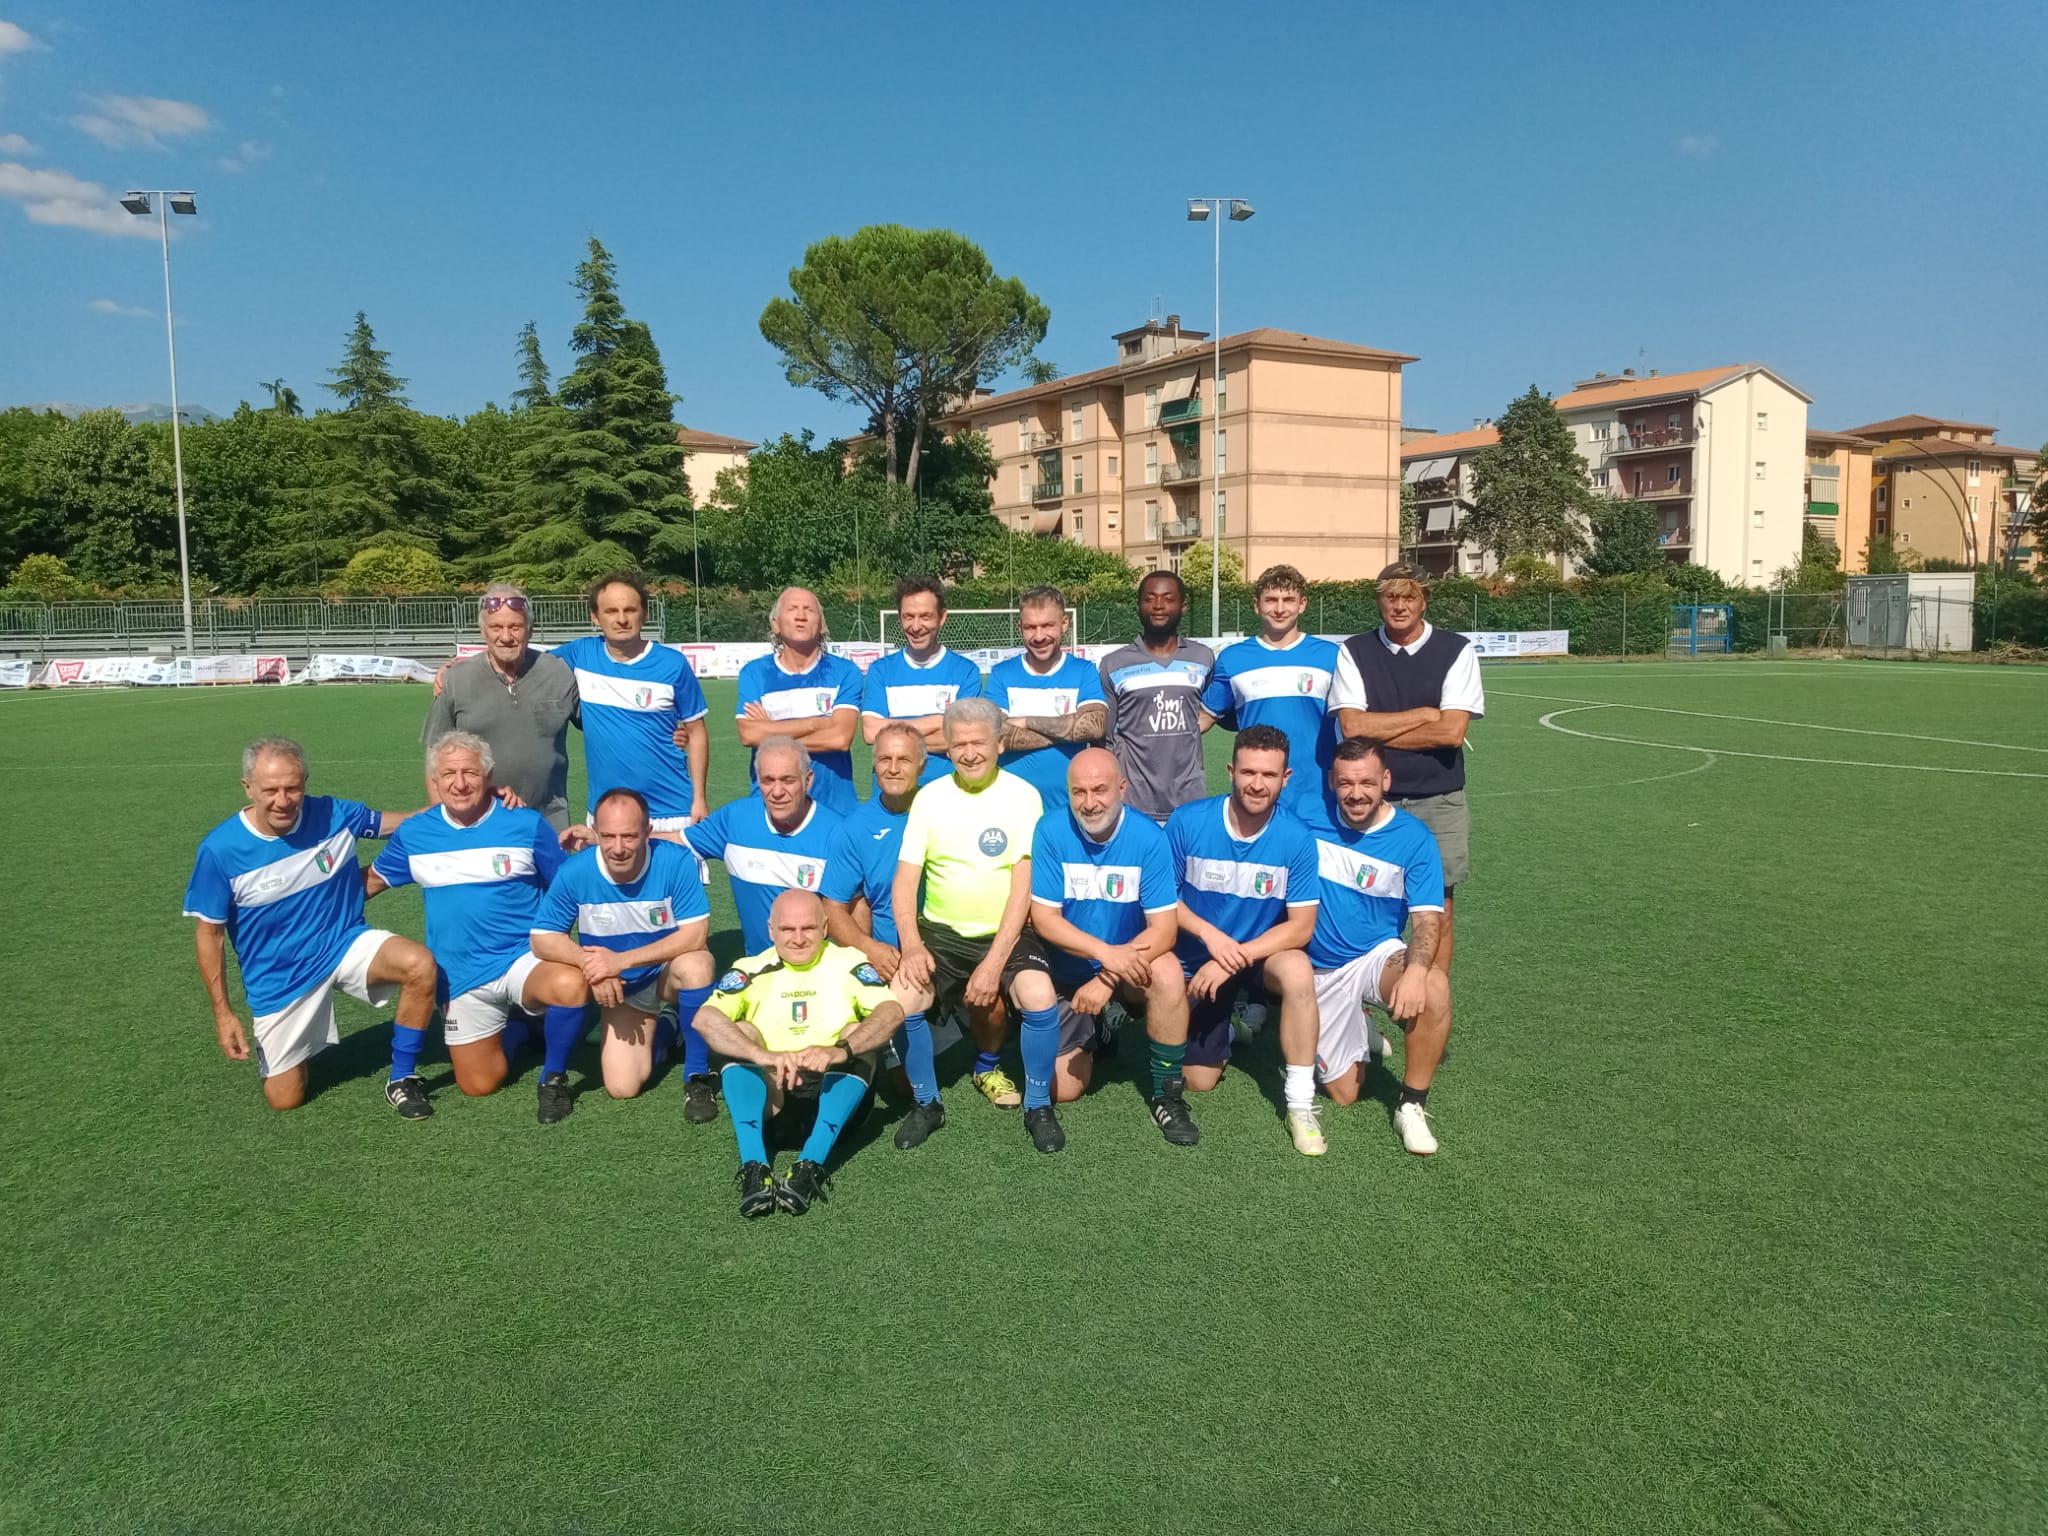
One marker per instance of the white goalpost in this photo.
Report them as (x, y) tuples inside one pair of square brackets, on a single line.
[(969, 629)]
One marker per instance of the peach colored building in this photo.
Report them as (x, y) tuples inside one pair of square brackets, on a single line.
[(1439, 467), (708, 454), (1948, 490), (1300, 440), (1838, 468)]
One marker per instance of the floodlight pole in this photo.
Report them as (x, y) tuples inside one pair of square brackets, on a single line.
[(1214, 209), (163, 225)]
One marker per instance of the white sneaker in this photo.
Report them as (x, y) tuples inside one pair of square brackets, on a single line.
[(1377, 1047), (1307, 1132), (1413, 1125)]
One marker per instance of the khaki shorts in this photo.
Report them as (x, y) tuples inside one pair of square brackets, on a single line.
[(1447, 816)]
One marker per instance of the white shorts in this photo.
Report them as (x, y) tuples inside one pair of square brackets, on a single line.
[(480, 1012), (303, 1029), (1342, 995)]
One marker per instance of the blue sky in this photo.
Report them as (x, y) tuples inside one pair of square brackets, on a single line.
[(1518, 194)]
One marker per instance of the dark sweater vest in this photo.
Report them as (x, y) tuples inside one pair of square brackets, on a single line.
[(1398, 680)]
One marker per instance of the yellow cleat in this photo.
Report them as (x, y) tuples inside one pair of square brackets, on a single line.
[(998, 1089), (1307, 1132)]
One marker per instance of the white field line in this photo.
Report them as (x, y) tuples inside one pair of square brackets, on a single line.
[(1797, 725), (1550, 720), (1573, 789)]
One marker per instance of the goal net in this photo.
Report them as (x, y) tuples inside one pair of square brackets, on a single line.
[(970, 629)]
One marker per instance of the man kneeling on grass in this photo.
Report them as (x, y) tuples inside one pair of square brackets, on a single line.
[(803, 1023)]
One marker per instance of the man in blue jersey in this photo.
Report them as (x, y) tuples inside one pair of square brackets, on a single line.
[(279, 880), (1248, 899), (805, 692), (642, 710), (1052, 698), (1281, 677), (917, 682), (1103, 898), (637, 906), (482, 869), (1381, 871), (776, 839)]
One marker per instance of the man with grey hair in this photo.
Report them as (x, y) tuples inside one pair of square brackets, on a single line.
[(482, 869), (519, 699), (777, 839), (279, 880), (802, 691)]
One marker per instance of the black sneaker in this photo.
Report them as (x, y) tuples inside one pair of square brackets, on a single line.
[(806, 1183), (555, 1101), (916, 1126), (757, 1189), (1170, 1113), (408, 1095), (700, 1099), (1044, 1127)]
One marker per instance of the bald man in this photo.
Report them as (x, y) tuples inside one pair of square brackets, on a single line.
[(802, 1023), (1103, 900), (802, 691)]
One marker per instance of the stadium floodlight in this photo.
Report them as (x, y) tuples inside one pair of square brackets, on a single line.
[(1240, 210), (138, 203), (1199, 209)]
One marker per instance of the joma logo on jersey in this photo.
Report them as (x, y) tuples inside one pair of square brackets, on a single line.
[(806, 876), (1113, 887), (501, 864), (993, 841), (658, 915), (1262, 884), (323, 861)]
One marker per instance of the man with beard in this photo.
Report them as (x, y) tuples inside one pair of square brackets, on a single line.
[(1154, 686)]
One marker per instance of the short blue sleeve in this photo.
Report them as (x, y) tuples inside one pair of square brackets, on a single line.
[(708, 836), (842, 868), (394, 863), (1216, 696), (1088, 687), (208, 894), (874, 692), (970, 678), (685, 891), (1304, 878), (750, 689), (1179, 828), (851, 682), (690, 703), (999, 688), (1048, 869), (557, 912), (547, 852), (1424, 875), (359, 818), (1158, 886)]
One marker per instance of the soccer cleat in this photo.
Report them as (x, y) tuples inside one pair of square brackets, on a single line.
[(918, 1125), (998, 1088), (1413, 1125), (1377, 1046), (1170, 1113), (757, 1190), (1044, 1127), (408, 1095), (1246, 1020), (1307, 1132), (700, 1099), (555, 1103), (805, 1184)]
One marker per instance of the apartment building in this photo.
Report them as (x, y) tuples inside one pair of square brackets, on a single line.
[(706, 455), (1949, 490), (1439, 467), (1292, 453), (1838, 470)]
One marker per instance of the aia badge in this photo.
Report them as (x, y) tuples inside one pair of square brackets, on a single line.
[(867, 975), (1113, 887), (806, 876), (993, 841), (1367, 877), (658, 916), (324, 861), (734, 981), (501, 864), (1262, 884)]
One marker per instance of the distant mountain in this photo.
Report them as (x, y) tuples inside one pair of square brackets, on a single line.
[(147, 410)]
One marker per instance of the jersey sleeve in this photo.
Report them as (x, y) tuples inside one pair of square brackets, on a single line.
[(972, 684), (1304, 876), (865, 989), (557, 912), (685, 891), (851, 682), (1462, 688), (690, 703), (1179, 828), (208, 896), (1158, 887), (1347, 686), (750, 690), (998, 689), (359, 818), (393, 862), (1424, 875), (547, 852), (733, 994), (874, 691), (842, 868), (1216, 695), (1048, 872), (1088, 686), (708, 837), (916, 835)]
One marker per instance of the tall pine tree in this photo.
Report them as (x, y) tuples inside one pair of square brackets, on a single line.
[(383, 488)]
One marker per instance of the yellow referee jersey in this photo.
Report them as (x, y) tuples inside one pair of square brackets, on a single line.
[(967, 842), (798, 1006)]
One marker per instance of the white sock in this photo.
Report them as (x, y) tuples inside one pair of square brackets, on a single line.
[(1301, 1087)]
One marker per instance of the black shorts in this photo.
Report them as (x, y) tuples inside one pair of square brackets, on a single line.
[(955, 955), (1209, 1020)]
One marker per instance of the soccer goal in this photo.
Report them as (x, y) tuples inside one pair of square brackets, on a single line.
[(970, 629)]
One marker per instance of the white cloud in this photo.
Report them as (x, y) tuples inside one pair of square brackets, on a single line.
[(246, 154), (127, 311), (121, 121), (56, 197), (15, 144), (1698, 145), (14, 40)]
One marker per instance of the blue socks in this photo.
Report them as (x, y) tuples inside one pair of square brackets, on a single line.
[(562, 1027), (914, 1045), (984, 1061), (664, 1037), (405, 1050), (746, 1100), (696, 1053), (518, 1029), (838, 1098), (1040, 1038)]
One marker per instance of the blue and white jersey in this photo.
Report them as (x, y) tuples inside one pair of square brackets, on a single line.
[(1371, 881), (1288, 688), (1021, 691), (482, 886), (608, 914), (1243, 886), (864, 863), (630, 713), (1104, 888), (898, 689), (292, 905), (763, 862), (832, 682)]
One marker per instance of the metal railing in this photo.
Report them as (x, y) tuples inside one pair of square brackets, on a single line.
[(1650, 439), (1180, 472)]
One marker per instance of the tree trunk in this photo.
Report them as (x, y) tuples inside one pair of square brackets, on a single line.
[(916, 447), (889, 441)]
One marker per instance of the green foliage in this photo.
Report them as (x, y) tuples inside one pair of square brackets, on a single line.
[(904, 321), (1525, 571), (533, 393), (1194, 566), (1626, 536), (790, 516), (393, 568), (1530, 494), (364, 381), (98, 481), (27, 522), (1411, 516), (1818, 569), (1038, 370), (1881, 558), (45, 577)]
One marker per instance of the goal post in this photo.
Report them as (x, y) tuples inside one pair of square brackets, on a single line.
[(971, 629)]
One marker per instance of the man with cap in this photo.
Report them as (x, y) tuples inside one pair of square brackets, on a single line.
[(1415, 689)]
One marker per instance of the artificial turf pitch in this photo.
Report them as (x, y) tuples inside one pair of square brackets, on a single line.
[(1738, 1223)]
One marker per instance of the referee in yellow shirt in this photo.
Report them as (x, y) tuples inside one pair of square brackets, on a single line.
[(967, 843), (801, 1021)]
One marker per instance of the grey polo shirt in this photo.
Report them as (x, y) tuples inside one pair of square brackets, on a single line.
[(1155, 723), (526, 723)]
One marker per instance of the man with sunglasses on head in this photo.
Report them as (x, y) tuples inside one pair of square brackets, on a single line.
[(519, 699)]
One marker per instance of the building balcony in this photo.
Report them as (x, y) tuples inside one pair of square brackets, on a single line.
[(1651, 440), (1675, 538), (1048, 490), (1679, 492), (1173, 529), (1050, 438), (1176, 413), (1180, 472)]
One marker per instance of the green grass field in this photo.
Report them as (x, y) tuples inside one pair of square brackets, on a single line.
[(1740, 1222)]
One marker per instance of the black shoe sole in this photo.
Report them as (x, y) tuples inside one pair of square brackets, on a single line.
[(1053, 1139), (920, 1139), (761, 1208), (555, 1119), (1194, 1135)]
